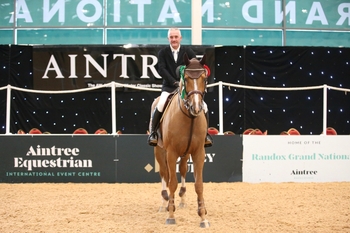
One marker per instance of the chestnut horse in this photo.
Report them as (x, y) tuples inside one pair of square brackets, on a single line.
[(182, 133)]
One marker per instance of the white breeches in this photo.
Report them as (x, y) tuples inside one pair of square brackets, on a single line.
[(164, 96)]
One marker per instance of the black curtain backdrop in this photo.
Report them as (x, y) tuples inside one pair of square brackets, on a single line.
[(274, 111), (4, 80)]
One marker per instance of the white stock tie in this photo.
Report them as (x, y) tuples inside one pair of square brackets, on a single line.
[(175, 56)]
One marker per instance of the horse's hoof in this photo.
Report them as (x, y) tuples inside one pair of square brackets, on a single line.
[(204, 224), (170, 221), (182, 205), (162, 209)]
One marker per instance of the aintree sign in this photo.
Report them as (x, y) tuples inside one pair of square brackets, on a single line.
[(73, 67)]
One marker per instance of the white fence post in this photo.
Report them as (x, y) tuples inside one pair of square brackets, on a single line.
[(8, 109), (221, 109), (324, 110), (113, 101)]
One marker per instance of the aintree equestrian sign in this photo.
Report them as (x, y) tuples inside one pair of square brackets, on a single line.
[(73, 67), (57, 159)]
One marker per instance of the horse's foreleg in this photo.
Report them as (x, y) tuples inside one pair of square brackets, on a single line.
[(183, 172), (202, 211), (198, 175), (172, 185), (160, 155)]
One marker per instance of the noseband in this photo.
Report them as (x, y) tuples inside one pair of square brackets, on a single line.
[(196, 73)]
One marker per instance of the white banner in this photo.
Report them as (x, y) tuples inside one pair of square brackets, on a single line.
[(296, 158)]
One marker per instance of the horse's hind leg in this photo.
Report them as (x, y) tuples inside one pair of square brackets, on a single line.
[(183, 171), (182, 194)]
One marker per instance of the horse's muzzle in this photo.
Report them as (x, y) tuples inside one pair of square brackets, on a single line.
[(195, 110)]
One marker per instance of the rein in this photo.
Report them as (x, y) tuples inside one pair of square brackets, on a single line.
[(191, 128), (182, 95)]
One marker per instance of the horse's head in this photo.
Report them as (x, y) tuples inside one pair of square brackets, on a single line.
[(193, 84)]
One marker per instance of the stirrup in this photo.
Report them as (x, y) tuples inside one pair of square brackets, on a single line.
[(153, 139), (208, 141), (208, 144)]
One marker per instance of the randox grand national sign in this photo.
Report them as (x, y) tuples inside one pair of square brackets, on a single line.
[(322, 14)]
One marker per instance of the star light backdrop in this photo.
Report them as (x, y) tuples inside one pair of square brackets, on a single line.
[(274, 111)]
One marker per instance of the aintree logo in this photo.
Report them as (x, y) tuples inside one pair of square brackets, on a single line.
[(52, 157), (303, 172), (52, 151)]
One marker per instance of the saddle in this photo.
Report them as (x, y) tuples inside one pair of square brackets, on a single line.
[(167, 103)]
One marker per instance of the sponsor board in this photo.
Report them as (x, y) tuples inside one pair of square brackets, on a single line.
[(67, 67), (296, 158), (78, 158), (105, 158), (136, 162)]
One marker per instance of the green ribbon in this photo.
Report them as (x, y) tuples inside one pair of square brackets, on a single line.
[(182, 80)]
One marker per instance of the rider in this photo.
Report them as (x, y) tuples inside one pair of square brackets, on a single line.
[(169, 58)]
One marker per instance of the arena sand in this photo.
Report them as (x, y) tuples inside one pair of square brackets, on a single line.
[(232, 207)]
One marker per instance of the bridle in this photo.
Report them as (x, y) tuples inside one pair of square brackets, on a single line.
[(192, 73)]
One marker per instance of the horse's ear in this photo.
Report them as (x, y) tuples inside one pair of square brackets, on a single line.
[(203, 60), (186, 60)]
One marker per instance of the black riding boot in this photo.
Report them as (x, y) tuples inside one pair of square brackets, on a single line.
[(208, 138), (153, 137)]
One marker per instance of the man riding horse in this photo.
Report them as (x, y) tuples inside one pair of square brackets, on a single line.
[(169, 58)]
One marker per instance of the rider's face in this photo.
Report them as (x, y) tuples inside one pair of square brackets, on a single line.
[(174, 39)]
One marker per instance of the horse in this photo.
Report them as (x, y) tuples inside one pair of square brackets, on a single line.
[(182, 133)]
